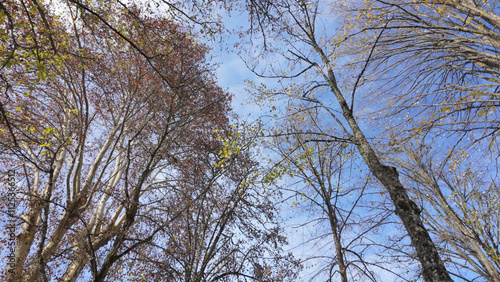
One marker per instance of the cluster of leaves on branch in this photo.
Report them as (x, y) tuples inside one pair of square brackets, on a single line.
[(115, 123)]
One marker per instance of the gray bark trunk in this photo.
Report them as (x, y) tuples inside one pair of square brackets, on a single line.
[(433, 268)]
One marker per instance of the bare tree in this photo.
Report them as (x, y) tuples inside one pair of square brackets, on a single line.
[(437, 67), (462, 211), (321, 183), (295, 26)]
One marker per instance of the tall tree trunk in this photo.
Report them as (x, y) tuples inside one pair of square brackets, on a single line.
[(433, 268), (334, 225)]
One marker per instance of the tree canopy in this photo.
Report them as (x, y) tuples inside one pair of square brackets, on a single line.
[(124, 160)]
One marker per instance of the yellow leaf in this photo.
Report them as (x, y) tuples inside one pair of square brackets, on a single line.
[(44, 144)]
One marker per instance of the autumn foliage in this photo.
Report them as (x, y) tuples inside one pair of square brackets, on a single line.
[(378, 141), (115, 124)]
